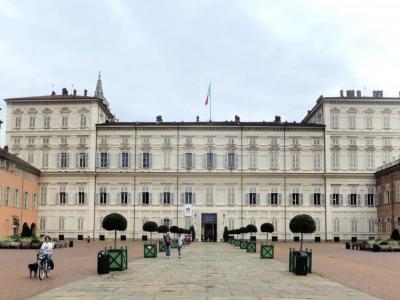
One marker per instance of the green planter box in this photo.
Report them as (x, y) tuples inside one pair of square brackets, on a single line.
[(243, 244), (292, 260), (251, 247), (161, 246), (118, 259), (267, 251), (236, 243), (150, 250), (174, 244)]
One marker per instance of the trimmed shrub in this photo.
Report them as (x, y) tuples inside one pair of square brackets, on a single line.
[(163, 229), (114, 222), (302, 224), (151, 227), (26, 231), (226, 234), (251, 229), (395, 235), (192, 232), (268, 228)]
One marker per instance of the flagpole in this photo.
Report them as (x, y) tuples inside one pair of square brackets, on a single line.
[(210, 99)]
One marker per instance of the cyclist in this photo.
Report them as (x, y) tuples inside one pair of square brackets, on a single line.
[(47, 249)]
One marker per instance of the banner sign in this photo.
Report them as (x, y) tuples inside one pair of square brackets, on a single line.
[(188, 210)]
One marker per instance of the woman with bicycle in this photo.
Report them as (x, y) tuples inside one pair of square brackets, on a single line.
[(47, 249)]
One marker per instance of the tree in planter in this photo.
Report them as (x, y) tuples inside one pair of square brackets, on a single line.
[(192, 232), (268, 228), (26, 232), (226, 234), (242, 230), (163, 229), (114, 222), (237, 232), (395, 235), (251, 229), (302, 224), (151, 227), (174, 230), (33, 230)]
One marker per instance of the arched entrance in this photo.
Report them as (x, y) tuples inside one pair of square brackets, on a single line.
[(209, 227)]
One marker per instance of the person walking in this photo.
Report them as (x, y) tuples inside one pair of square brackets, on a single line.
[(180, 244), (167, 243)]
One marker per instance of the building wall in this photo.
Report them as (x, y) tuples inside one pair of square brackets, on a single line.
[(18, 197)]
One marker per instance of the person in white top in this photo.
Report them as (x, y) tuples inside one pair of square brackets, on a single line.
[(180, 244), (47, 248)]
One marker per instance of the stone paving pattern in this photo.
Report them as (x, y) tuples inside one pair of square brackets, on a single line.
[(207, 271)]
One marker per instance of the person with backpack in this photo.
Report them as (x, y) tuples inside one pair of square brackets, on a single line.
[(167, 243), (180, 245)]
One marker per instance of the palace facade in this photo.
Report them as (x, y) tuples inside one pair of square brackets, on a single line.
[(206, 174)]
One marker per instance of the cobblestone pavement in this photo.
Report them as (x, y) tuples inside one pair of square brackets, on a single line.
[(207, 271)]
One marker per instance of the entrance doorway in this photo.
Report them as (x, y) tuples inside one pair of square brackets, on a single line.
[(209, 227)]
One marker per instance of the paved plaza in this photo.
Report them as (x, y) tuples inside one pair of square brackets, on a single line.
[(207, 271)]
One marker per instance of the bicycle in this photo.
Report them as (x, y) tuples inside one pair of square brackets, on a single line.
[(43, 265)]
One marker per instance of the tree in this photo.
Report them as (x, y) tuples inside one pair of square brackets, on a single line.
[(242, 230), (302, 224), (268, 228), (26, 232), (150, 226), (174, 230), (226, 234), (395, 235), (163, 229), (251, 228), (192, 232), (114, 222), (33, 229)]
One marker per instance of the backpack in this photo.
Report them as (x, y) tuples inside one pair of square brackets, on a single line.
[(167, 240)]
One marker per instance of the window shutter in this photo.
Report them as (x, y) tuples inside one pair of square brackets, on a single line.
[(129, 198), (119, 200), (323, 199), (66, 198), (182, 198), (301, 199), (226, 161), (331, 199), (87, 159), (58, 160), (341, 199), (108, 198), (67, 160), (129, 160), (172, 198), (76, 198), (193, 198), (97, 198), (85, 199), (214, 157), (236, 161), (268, 198), (120, 160), (150, 198), (348, 199), (258, 198), (193, 160), (97, 160), (77, 160), (57, 196), (280, 199), (205, 161), (139, 198), (366, 199), (247, 199), (140, 162), (311, 199), (150, 160), (358, 200), (161, 198), (376, 200), (183, 161)]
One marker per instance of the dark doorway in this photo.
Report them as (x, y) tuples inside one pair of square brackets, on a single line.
[(209, 227)]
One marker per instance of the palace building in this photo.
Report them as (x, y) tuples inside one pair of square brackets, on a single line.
[(206, 174)]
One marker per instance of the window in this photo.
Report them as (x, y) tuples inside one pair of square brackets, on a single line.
[(334, 120), (274, 159), (188, 141), (31, 158), (335, 141), (351, 119), (370, 196), (63, 160), (336, 197), (7, 198), (210, 160), (17, 140), (387, 155), (167, 140), (146, 195), (167, 159), (317, 160), (210, 140), (146, 140), (32, 121), (386, 121), (61, 223), (62, 195), (231, 223), (146, 160), (231, 195), (274, 196), (42, 223), (316, 197), (352, 141), (252, 159), (370, 159), (124, 195), (81, 195), (64, 121), (336, 225), (353, 197), (18, 122), (317, 225), (231, 160), (369, 141), (274, 141), (103, 140), (387, 141), (353, 159), (368, 121), (125, 140), (316, 141), (189, 160), (166, 196), (209, 194), (295, 141), (125, 160), (252, 200), (231, 140), (354, 226), (64, 141), (188, 195), (80, 223), (83, 120), (43, 195), (46, 122), (31, 141), (16, 199), (371, 225), (34, 202), (45, 159), (103, 195), (295, 160), (275, 223), (252, 140), (296, 196), (103, 160), (82, 160), (26, 200)]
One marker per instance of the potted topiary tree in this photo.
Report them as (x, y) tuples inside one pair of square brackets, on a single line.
[(395, 235), (162, 229), (236, 242), (299, 260), (267, 251), (251, 244), (118, 257), (150, 250), (174, 230), (192, 233)]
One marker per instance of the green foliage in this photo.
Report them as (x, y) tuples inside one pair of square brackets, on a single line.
[(150, 226), (163, 229), (267, 227), (174, 229), (26, 231), (114, 221), (33, 229), (243, 230), (251, 228), (226, 234), (192, 232), (395, 235), (302, 224)]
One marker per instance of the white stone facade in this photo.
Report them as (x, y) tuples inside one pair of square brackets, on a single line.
[(244, 172)]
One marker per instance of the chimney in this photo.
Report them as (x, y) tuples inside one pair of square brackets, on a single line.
[(350, 93), (85, 93), (6, 148), (53, 93), (64, 92), (237, 119), (358, 94), (341, 94), (277, 119), (74, 92), (197, 119), (159, 119)]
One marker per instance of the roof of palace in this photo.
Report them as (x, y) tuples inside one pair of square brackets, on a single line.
[(18, 161)]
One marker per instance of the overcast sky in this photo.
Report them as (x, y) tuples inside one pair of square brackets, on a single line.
[(264, 58)]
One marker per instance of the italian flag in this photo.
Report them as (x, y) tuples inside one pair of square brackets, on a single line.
[(208, 94)]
